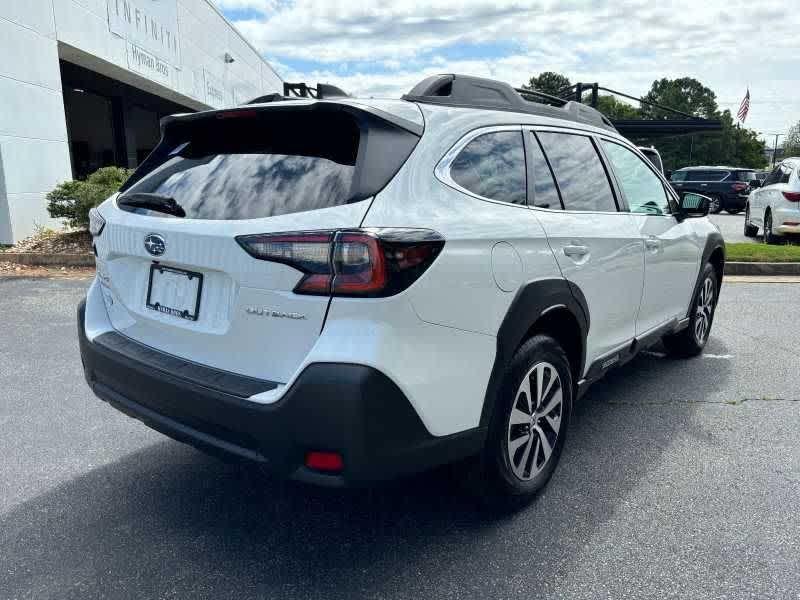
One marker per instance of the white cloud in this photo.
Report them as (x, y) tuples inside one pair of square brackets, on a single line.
[(383, 49)]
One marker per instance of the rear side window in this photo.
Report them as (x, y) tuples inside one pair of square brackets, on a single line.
[(493, 166), (580, 174), (252, 164), (786, 173), (706, 175), (545, 193)]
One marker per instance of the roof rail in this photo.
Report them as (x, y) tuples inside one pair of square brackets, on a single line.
[(477, 92), (301, 90)]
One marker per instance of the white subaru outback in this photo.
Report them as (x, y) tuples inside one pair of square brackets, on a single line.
[(351, 290)]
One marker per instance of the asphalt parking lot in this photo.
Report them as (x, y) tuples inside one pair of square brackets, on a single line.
[(680, 479), (731, 227)]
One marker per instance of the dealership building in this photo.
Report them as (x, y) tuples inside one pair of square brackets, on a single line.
[(83, 84)]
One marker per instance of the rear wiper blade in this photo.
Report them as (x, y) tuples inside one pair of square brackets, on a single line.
[(156, 202)]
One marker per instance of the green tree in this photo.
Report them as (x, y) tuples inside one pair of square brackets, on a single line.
[(72, 200), (686, 94), (617, 109), (548, 82), (791, 146), (732, 145)]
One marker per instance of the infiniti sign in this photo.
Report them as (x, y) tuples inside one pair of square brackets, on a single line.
[(155, 244)]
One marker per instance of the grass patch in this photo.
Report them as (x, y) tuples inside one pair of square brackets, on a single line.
[(746, 252)]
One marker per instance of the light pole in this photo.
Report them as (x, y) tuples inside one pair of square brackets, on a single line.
[(775, 147)]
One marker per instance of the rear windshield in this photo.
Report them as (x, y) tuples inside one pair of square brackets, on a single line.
[(252, 167)]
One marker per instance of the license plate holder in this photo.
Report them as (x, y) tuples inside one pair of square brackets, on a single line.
[(174, 292)]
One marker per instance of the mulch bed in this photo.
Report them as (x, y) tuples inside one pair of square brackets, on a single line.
[(54, 242)]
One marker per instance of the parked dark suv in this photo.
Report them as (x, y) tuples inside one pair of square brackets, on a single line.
[(728, 187)]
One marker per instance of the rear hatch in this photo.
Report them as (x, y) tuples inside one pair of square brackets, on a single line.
[(174, 275)]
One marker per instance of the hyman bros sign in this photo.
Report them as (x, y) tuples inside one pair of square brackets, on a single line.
[(150, 29)]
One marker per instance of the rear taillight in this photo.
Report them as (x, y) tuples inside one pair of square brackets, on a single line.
[(739, 186), (354, 262), (792, 196)]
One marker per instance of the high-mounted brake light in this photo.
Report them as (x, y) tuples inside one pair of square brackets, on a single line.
[(792, 196), (352, 262)]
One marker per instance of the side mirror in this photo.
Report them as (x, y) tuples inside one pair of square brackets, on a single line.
[(693, 205), (755, 183)]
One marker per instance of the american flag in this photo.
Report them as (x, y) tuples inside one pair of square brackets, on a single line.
[(744, 108)]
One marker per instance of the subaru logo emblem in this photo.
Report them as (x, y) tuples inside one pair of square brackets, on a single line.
[(155, 244)]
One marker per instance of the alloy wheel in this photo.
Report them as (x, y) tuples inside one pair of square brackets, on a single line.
[(715, 205), (535, 421), (768, 228), (703, 310)]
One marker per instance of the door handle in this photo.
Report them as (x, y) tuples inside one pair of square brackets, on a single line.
[(574, 251)]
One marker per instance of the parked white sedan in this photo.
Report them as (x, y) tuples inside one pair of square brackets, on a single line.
[(774, 207)]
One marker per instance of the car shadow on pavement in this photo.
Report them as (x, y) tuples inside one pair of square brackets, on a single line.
[(167, 521)]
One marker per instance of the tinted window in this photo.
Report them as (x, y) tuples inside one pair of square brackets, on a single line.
[(247, 168), (579, 172), (545, 193), (643, 189), (678, 176), (493, 166), (786, 173), (706, 175), (745, 175)]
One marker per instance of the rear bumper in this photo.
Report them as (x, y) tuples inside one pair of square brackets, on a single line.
[(351, 409), (786, 220)]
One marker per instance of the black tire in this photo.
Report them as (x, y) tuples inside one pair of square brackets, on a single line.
[(769, 236), (715, 206), (733, 211), (492, 476), (749, 230), (691, 340)]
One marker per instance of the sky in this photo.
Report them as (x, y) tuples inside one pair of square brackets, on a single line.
[(383, 48)]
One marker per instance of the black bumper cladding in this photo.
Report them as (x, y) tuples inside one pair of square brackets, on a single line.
[(351, 409)]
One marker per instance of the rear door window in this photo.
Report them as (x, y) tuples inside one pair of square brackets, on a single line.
[(493, 166), (545, 192), (579, 172)]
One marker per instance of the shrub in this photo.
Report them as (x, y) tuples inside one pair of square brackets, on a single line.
[(72, 200)]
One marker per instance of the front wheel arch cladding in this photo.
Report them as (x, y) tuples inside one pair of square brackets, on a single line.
[(531, 301)]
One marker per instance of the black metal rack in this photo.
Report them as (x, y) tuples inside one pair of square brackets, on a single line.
[(642, 127), (301, 90), (477, 92)]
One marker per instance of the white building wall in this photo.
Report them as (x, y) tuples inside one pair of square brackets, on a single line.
[(34, 34)]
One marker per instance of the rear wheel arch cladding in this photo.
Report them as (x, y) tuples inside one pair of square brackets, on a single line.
[(533, 301)]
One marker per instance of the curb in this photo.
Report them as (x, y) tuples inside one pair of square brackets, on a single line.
[(762, 268), (34, 259)]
